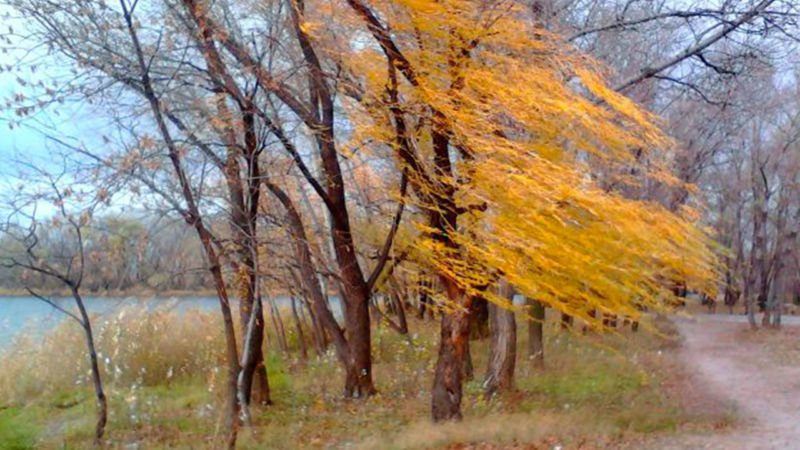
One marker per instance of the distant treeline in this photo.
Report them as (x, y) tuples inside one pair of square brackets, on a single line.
[(124, 253)]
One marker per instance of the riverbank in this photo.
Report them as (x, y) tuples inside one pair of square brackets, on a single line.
[(164, 382)]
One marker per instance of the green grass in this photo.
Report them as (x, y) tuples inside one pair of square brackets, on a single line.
[(18, 430)]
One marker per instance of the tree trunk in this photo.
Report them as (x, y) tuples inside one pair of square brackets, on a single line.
[(243, 199), (232, 353), (320, 309), (301, 339), (277, 323), (453, 341), (469, 368), (777, 312), (479, 318), (566, 321), (250, 346), (388, 303), (355, 291), (318, 332), (749, 306), (192, 217), (536, 334), (358, 382), (502, 347), (765, 319), (97, 382), (758, 246), (424, 298), (731, 295), (400, 309), (609, 320), (258, 388)]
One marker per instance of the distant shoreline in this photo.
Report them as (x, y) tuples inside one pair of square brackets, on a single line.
[(145, 293), (140, 293)]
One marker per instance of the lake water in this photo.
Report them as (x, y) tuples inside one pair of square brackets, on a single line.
[(33, 315)]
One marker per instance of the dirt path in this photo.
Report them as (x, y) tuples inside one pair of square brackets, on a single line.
[(764, 394)]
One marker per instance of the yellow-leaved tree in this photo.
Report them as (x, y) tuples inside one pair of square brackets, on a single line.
[(510, 139)]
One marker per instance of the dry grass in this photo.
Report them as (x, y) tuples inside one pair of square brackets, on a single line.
[(137, 348), (163, 375), (781, 345)]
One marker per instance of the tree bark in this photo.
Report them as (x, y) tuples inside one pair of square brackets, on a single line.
[(250, 345), (566, 321), (454, 338), (469, 367), (424, 298), (503, 346), (536, 334), (358, 382), (479, 318)]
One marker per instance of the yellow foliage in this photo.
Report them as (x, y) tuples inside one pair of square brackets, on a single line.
[(536, 138)]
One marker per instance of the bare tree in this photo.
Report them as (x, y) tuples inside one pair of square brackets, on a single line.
[(23, 228)]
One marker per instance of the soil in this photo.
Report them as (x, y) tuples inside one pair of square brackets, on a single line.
[(728, 364)]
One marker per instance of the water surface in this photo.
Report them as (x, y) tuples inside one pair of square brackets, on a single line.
[(31, 315)]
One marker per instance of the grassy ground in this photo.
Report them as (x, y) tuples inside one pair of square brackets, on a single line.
[(164, 382)]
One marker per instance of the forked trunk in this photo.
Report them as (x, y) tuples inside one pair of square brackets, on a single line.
[(255, 389), (250, 347), (260, 392)]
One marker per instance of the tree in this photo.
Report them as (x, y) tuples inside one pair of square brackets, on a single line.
[(480, 135), (23, 229)]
